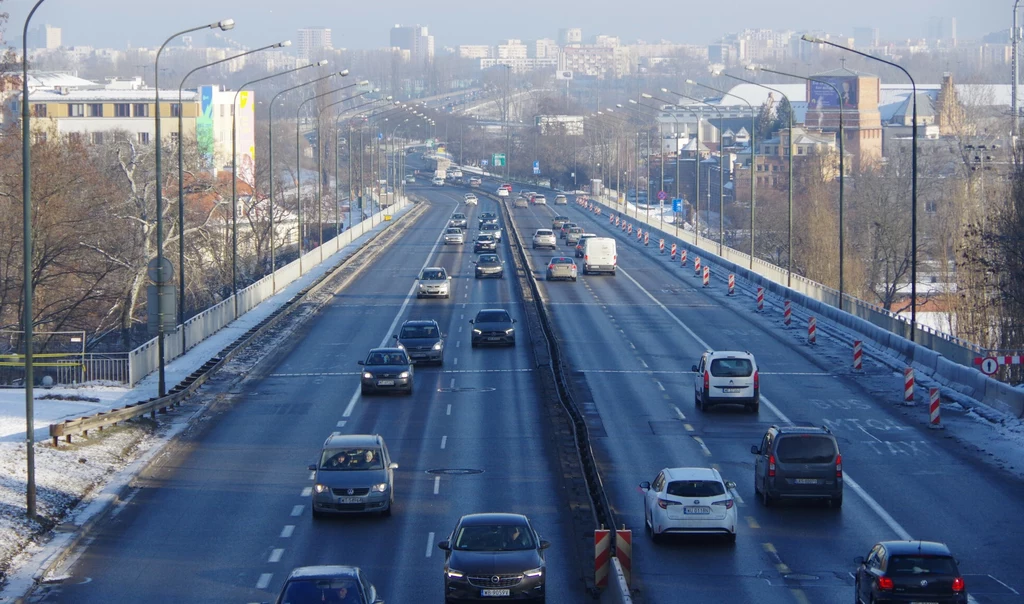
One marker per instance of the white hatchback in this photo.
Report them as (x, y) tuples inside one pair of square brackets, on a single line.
[(502, 192), (471, 199), (689, 501)]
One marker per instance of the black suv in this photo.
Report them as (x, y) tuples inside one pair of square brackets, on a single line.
[(422, 340), (798, 462), (905, 571)]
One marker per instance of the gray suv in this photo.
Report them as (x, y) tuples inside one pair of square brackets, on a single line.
[(422, 340), (798, 462), (354, 474)]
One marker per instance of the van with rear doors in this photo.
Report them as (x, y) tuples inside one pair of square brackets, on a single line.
[(599, 255)]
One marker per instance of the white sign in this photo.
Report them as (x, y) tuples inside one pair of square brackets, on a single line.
[(989, 366), (563, 75)]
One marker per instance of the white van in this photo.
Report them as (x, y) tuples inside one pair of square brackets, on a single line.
[(599, 255)]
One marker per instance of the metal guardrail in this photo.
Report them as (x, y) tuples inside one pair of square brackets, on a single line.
[(99, 421)]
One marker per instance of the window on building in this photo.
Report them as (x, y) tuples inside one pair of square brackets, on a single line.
[(122, 110), (931, 207), (39, 109), (95, 110), (75, 138), (175, 109), (76, 110), (144, 138), (174, 137), (140, 109), (40, 137), (96, 138), (799, 150)]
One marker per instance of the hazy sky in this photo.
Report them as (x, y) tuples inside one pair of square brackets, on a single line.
[(115, 23)]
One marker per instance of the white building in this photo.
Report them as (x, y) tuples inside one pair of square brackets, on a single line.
[(475, 51), (512, 49), (312, 41)]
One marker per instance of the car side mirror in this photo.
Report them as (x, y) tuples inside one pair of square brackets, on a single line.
[(361, 362), (471, 320), (449, 277), (730, 485), (444, 545), (859, 560), (395, 336), (693, 368), (312, 467), (645, 485), (513, 320), (392, 466), (544, 544), (755, 449)]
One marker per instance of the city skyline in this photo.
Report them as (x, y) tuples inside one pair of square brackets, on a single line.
[(101, 24)]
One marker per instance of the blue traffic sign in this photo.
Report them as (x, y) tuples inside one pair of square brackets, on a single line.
[(677, 205)]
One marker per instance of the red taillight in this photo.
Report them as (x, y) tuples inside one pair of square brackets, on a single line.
[(839, 465), (885, 583), (958, 584), (757, 381), (707, 380), (551, 267), (664, 503), (728, 503), (771, 465)]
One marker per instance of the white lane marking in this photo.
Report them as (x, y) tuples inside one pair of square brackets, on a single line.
[(462, 317), (342, 423), (456, 360), (264, 580), (312, 475), (644, 363), (449, 411), (736, 496), (458, 344), (430, 542), (460, 329), (444, 441), (679, 413), (452, 384), (675, 372), (489, 371), (870, 434), (465, 295), (297, 510), (287, 531), (868, 499), (660, 385), (437, 485), (306, 492), (703, 447), (275, 554)]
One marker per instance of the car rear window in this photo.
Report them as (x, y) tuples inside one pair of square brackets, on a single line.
[(805, 448), (921, 565), (695, 488), (543, 232), (731, 368), (494, 316), (562, 261)]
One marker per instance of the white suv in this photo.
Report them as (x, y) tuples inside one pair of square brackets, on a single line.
[(545, 238), (726, 376)]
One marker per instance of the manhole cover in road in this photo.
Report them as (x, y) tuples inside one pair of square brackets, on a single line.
[(455, 471), (467, 389)]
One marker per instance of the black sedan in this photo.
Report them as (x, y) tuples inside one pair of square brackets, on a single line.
[(493, 326), (387, 370), (489, 265), (909, 571), (485, 243), (497, 556), (316, 584)]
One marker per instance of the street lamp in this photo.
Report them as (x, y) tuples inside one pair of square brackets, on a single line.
[(789, 152), (351, 190), (270, 156), (913, 175), (337, 161), (753, 153), (842, 167), (181, 181), (223, 25)]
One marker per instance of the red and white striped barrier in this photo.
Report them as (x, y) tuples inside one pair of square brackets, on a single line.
[(639, 235), (990, 365), (732, 284), (787, 313), (682, 259), (598, 211), (707, 275), (647, 238), (908, 385), (661, 246), (673, 252), (602, 556), (934, 419), (858, 355), (630, 230), (624, 551), (812, 330), (696, 266), (613, 220), (760, 299)]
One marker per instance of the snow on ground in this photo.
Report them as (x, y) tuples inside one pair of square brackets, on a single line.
[(69, 477)]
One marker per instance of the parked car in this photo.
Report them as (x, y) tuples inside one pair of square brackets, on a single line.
[(434, 281), (561, 200), (494, 556), (909, 571), (798, 462), (689, 500), (386, 370), (422, 340), (726, 376), (354, 474), (458, 219), (561, 267), (317, 584), (493, 326), (454, 235), (544, 238), (489, 265), (485, 242)]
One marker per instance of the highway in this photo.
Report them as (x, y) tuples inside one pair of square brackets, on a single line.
[(224, 515)]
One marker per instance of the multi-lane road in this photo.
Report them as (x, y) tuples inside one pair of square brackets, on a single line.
[(225, 514)]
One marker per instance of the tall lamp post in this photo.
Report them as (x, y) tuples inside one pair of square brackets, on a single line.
[(789, 152), (1015, 40), (337, 162), (351, 181), (913, 175), (181, 180), (223, 25), (753, 154), (842, 167)]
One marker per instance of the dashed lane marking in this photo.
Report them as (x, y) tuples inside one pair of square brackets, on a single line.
[(674, 372), (342, 423), (449, 410), (644, 363), (444, 441), (752, 522), (287, 531), (679, 413), (524, 370), (264, 580), (275, 554), (306, 492), (660, 385), (689, 428), (430, 544), (800, 596), (703, 447), (437, 485), (297, 510)]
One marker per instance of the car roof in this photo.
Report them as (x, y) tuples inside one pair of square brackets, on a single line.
[(927, 548), (324, 572), (419, 323), (692, 474), (493, 310), (352, 440), (492, 518), (824, 430), (386, 350), (730, 354)]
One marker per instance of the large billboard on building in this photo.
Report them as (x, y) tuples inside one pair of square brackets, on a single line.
[(571, 125), (822, 96), (204, 125), (246, 134)]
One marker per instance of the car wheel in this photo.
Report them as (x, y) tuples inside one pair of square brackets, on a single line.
[(732, 538), (757, 491), (837, 502), (754, 408), (766, 499), (386, 512), (574, 279)]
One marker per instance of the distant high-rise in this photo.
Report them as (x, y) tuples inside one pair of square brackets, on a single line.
[(416, 40), (45, 36), (866, 37), (942, 28), (570, 35), (313, 40)]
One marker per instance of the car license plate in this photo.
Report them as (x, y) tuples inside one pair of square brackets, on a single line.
[(385, 382), (349, 500), (493, 339), (806, 481), (696, 509), (731, 390), (495, 593), (924, 602)]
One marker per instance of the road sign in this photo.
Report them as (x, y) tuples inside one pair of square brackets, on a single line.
[(536, 167), (989, 366), (677, 205), (158, 273), (662, 195), (387, 217), (498, 159)]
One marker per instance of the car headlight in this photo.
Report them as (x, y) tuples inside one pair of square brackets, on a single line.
[(536, 572), (437, 346), (379, 488), (367, 375), (477, 332), (320, 488), (403, 375), (509, 331), (422, 286), (454, 574)]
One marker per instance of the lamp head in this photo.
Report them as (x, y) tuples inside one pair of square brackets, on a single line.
[(284, 44), (376, 89), (343, 72), (321, 63), (619, 105), (812, 39), (224, 25), (716, 71), (364, 82), (751, 67), (388, 98), (646, 96), (691, 82), (667, 90), (632, 101)]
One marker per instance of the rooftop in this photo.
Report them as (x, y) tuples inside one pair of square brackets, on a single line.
[(103, 95)]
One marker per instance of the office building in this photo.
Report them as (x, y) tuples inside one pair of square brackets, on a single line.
[(570, 36), (416, 41), (45, 37), (312, 42), (866, 37)]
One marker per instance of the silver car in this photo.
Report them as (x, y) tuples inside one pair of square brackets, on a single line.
[(562, 267), (544, 238), (354, 474), (520, 202), (560, 200), (540, 200), (572, 237), (434, 281), (454, 235), (492, 229)]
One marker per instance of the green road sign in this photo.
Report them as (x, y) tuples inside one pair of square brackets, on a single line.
[(498, 159)]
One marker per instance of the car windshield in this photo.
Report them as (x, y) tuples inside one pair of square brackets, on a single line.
[(433, 275), (454, 232), (485, 238), (731, 368), (695, 488), (805, 449), (488, 259), (575, 230), (494, 537), (387, 358), (458, 216), (418, 331), (307, 591), (921, 565), (492, 316), (351, 459), (490, 226)]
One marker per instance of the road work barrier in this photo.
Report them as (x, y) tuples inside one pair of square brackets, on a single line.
[(934, 421), (732, 284), (908, 385), (812, 330), (858, 355)]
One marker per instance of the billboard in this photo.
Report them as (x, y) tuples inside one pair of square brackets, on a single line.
[(822, 95), (204, 125)]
